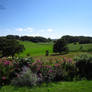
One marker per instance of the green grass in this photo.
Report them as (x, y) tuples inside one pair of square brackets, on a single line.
[(36, 49), (80, 47), (80, 86)]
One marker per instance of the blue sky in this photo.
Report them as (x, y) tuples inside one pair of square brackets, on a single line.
[(47, 18)]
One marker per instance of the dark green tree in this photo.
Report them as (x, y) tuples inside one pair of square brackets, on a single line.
[(60, 46), (9, 47)]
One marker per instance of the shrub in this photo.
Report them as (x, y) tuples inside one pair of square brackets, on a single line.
[(25, 78), (84, 64), (11, 66), (48, 73), (68, 69), (44, 71), (6, 71), (10, 47), (60, 46), (24, 61)]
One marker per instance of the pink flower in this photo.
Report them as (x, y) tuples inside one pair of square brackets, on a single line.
[(6, 62), (50, 71), (3, 78), (70, 60), (38, 61), (48, 66), (57, 65)]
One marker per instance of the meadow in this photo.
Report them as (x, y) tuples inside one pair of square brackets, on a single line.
[(79, 86), (37, 50)]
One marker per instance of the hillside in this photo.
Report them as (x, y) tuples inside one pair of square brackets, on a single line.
[(36, 49)]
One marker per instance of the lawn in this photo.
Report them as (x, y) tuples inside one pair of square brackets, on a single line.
[(79, 86)]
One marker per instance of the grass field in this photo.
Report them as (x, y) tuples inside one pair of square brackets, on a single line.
[(80, 47), (38, 49), (79, 86)]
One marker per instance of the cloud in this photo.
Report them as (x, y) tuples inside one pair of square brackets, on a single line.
[(50, 30), (47, 30), (19, 29), (30, 29)]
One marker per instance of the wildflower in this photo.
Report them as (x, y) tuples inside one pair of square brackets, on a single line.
[(70, 60), (6, 62), (50, 71), (57, 65), (3, 78), (38, 61), (48, 66)]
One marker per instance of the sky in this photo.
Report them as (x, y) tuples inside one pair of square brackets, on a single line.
[(47, 18)]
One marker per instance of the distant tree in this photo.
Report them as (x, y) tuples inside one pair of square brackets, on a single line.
[(9, 47), (13, 37), (60, 46), (34, 39)]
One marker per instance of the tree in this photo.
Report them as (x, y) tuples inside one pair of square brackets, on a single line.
[(60, 46), (9, 47)]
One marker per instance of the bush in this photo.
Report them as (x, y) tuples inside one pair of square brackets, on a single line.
[(68, 69), (25, 78), (11, 66), (6, 71), (60, 46), (10, 47), (62, 70), (84, 64)]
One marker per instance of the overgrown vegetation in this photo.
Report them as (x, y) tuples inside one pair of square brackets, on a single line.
[(27, 72)]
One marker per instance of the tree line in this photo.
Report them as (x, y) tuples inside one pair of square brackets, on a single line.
[(60, 45), (28, 38), (75, 39), (9, 45)]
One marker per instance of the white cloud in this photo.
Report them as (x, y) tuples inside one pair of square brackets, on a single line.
[(28, 29), (19, 29), (47, 30), (25, 29), (50, 30)]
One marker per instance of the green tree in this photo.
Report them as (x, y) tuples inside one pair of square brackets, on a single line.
[(9, 47), (60, 46)]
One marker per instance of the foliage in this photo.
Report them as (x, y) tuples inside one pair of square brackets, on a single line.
[(10, 47), (6, 71), (79, 39), (60, 46), (34, 39), (61, 70), (84, 64), (64, 69), (25, 78)]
